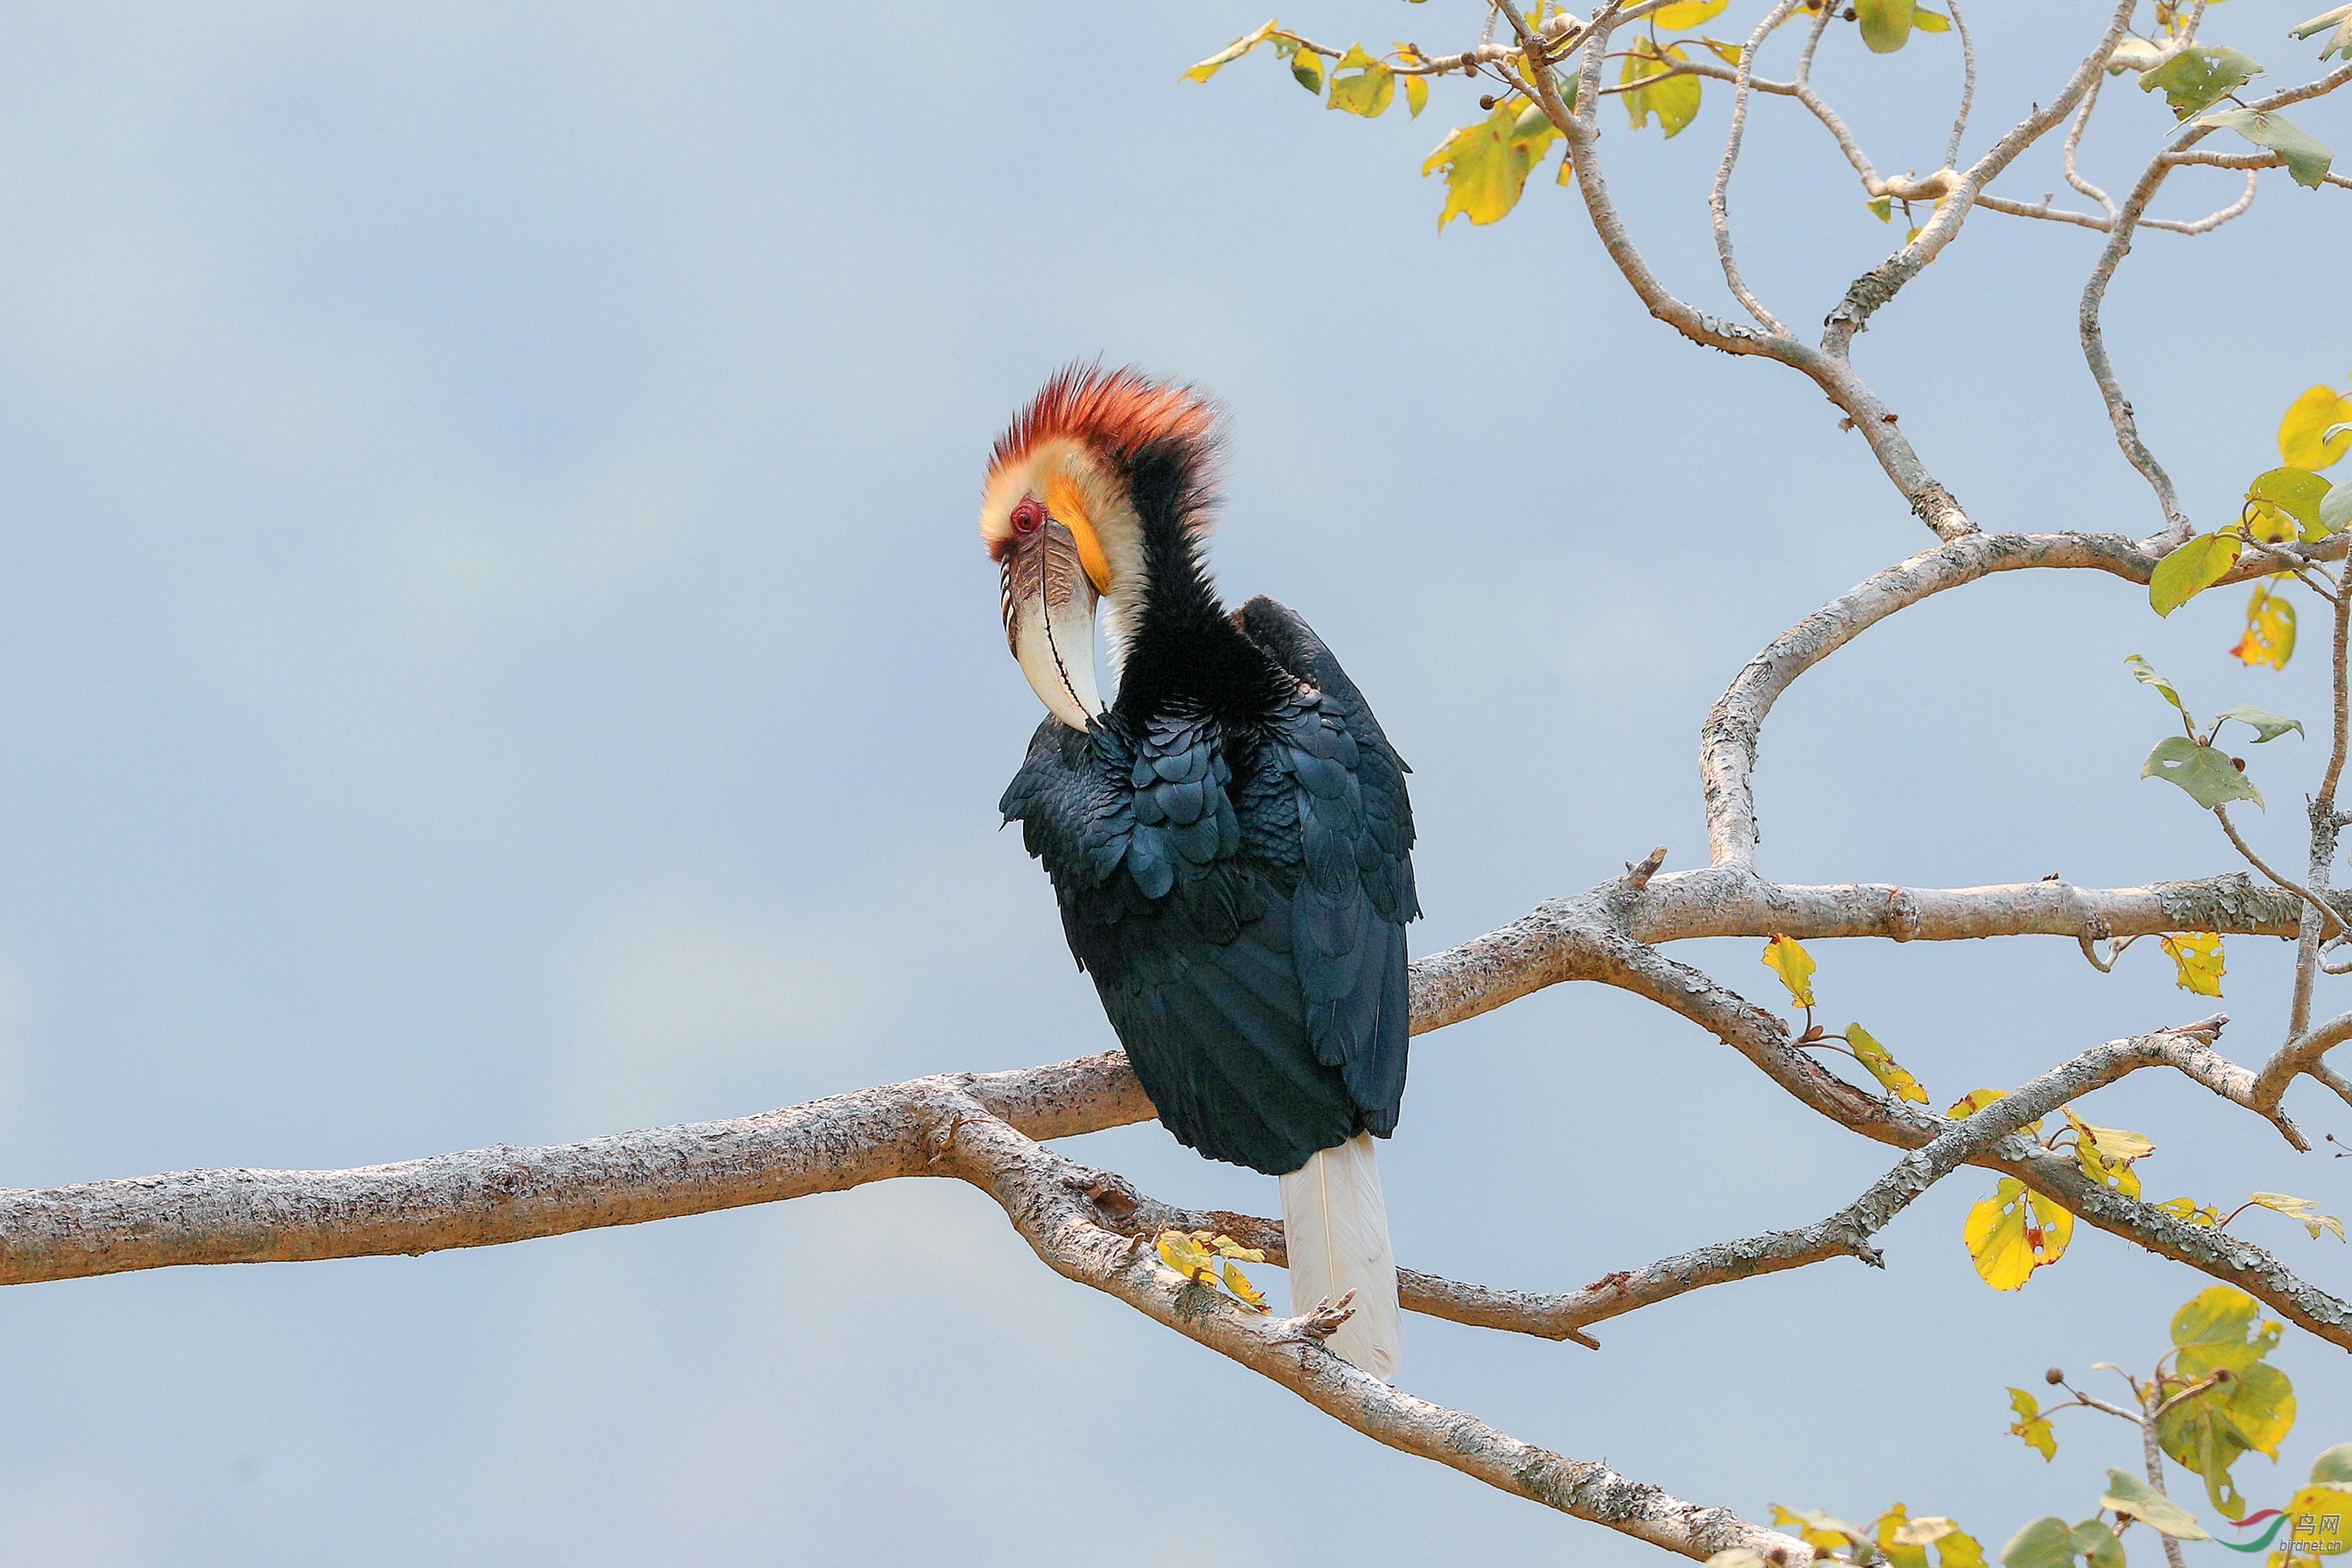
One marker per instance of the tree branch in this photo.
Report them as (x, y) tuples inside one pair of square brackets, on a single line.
[(1042, 1194)]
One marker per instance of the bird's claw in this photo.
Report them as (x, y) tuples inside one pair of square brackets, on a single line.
[(1324, 1320)]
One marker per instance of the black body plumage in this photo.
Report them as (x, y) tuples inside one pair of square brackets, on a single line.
[(1231, 845)]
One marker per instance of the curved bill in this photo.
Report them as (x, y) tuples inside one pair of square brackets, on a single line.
[(1049, 621)]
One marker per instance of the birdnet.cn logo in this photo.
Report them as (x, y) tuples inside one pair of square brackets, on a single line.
[(2312, 1525)]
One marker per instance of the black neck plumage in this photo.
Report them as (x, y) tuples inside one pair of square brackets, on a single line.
[(1184, 655)]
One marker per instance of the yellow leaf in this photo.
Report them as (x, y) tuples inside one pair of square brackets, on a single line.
[(2306, 417), (1416, 94), (2191, 569), (1883, 1066), (2314, 1528), (2270, 629), (1727, 53), (2304, 1209), (1673, 100), (2115, 1174), (1688, 13), (2193, 1211), (2112, 1142), (1976, 1100), (2270, 525), (1486, 165), (1367, 92), (2015, 1232), (1794, 964), (1244, 1291), (1928, 21), (1924, 1530), (1229, 54), (1227, 1246), (2197, 956), (1888, 1530), (1818, 1529), (2032, 1424), (1959, 1550), (1186, 1257)]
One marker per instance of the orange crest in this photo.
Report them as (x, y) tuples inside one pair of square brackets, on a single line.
[(1113, 413)]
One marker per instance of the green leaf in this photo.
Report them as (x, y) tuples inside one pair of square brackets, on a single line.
[(1885, 23), (2145, 674), (2191, 570), (2253, 1410), (2267, 725), (1486, 165), (1308, 66), (2307, 158), (2199, 76), (2295, 492), (1885, 207), (1368, 91), (2210, 777), (2126, 1493), (2217, 1327), (2335, 508), (1235, 51), (2098, 1545), (2341, 20), (2045, 1544), (2333, 1466), (1674, 98)]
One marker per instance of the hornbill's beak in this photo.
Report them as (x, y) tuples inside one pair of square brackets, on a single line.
[(1049, 613)]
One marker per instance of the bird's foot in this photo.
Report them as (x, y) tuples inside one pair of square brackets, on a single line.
[(1324, 1320)]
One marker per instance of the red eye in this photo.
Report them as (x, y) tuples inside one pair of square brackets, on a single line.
[(1029, 516)]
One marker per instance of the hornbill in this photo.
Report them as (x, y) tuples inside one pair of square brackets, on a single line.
[(1229, 838)]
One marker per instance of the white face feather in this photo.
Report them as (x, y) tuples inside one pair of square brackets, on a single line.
[(1090, 540)]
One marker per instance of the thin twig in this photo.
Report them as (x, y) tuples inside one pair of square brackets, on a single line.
[(1718, 199), (1968, 84)]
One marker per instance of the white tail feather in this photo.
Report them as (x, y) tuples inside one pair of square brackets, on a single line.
[(1336, 1227)]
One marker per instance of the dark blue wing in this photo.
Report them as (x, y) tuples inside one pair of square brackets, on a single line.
[(1354, 842), (1240, 900)]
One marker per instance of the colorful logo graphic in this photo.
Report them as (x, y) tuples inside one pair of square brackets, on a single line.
[(2312, 1525)]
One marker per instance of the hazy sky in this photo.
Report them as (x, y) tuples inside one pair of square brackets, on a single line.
[(496, 651)]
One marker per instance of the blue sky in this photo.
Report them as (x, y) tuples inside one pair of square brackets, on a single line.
[(496, 651)]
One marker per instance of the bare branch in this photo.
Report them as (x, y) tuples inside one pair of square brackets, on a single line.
[(1727, 745), (2330, 924), (2212, 220), (1040, 1192), (1718, 199), (1873, 289), (1968, 85), (2326, 825), (2074, 141), (1763, 1039), (1546, 1316)]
